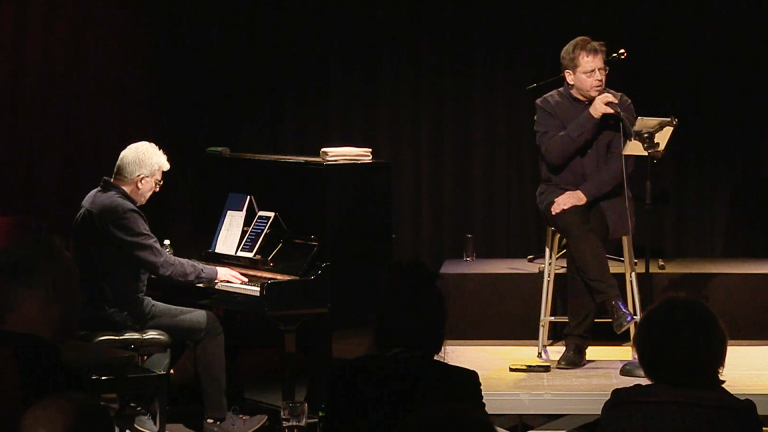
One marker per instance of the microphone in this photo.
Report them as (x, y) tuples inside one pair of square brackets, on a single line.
[(625, 121), (620, 55), (615, 108)]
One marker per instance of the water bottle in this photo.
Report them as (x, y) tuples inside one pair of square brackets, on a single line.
[(167, 247), (321, 418), (469, 248)]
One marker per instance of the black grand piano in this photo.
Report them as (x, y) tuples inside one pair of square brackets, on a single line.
[(331, 236)]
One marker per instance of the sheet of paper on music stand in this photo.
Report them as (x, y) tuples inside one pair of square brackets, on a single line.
[(229, 238), (635, 147)]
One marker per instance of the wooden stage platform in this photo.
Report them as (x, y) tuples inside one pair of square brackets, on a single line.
[(583, 391), (499, 299), (493, 311)]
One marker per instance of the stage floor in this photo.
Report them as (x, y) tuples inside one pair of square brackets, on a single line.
[(679, 265), (583, 391)]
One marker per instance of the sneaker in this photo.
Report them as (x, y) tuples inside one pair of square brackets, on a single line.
[(134, 418), (144, 423), (235, 423)]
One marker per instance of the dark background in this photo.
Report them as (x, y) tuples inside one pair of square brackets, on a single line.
[(437, 89)]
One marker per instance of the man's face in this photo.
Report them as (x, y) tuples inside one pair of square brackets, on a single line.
[(147, 185), (588, 80)]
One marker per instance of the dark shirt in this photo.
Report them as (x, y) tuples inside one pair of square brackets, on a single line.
[(579, 152), (116, 253), (378, 392), (660, 408), (30, 369)]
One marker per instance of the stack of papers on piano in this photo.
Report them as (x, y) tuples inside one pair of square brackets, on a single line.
[(341, 154)]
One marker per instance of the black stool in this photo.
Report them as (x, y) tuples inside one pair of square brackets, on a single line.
[(149, 375)]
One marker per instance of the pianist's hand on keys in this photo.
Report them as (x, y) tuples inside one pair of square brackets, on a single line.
[(228, 275)]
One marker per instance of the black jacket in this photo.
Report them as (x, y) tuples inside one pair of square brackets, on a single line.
[(660, 408), (116, 252), (579, 152), (379, 392)]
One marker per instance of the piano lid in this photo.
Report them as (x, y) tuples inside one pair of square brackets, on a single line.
[(288, 158)]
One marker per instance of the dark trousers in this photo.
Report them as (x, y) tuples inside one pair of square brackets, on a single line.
[(203, 330), (590, 283)]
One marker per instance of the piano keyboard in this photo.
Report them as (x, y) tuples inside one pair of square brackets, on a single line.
[(247, 288)]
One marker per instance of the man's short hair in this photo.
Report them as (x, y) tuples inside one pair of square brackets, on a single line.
[(682, 343), (140, 158), (569, 56)]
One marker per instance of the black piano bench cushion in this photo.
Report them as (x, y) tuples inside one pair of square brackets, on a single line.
[(144, 341)]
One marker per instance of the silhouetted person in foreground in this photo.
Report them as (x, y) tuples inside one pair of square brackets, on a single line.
[(39, 306), (403, 386), (681, 346), (67, 412)]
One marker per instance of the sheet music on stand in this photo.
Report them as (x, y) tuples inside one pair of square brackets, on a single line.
[(657, 130)]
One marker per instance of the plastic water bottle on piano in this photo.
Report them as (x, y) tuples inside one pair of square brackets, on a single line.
[(167, 247)]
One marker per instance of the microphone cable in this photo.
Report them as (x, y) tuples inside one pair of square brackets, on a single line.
[(624, 175)]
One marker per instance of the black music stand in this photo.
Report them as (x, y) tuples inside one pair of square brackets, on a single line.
[(650, 137)]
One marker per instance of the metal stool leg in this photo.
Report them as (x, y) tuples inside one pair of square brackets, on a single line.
[(630, 276), (548, 283), (550, 261)]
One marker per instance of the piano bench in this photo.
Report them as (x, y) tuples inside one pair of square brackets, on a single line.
[(144, 342), (150, 375)]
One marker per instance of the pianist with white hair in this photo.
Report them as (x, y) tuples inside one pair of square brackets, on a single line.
[(116, 252)]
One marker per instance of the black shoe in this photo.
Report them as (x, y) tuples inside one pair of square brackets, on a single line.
[(621, 316), (632, 369), (574, 357)]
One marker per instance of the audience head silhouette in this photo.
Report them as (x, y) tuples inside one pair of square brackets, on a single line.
[(411, 315), (682, 343), (67, 412), (38, 284)]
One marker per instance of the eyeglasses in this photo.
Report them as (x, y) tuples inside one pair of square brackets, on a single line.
[(591, 73), (158, 183)]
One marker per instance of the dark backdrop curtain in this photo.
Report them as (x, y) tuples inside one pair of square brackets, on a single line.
[(437, 90)]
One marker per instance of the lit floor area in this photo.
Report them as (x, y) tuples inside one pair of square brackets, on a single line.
[(541, 398), (583, 391)]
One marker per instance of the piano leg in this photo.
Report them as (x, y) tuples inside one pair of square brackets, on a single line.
[(318, 341), (289, 361)]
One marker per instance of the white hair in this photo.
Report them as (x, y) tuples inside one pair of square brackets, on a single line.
[(140, 158)]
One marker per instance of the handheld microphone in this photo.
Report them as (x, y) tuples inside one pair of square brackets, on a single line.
[(615, 108), (625, 120)]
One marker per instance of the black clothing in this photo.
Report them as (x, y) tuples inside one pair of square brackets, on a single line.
[(379, 392), (660, 408), (589, 278), (31, 369), (579, 152), (116, 252)]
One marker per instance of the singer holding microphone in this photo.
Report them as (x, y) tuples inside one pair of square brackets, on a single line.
[(579, 134)]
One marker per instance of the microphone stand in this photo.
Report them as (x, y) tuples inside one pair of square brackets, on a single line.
[(532, 86), (619, 55), (647, 138)]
